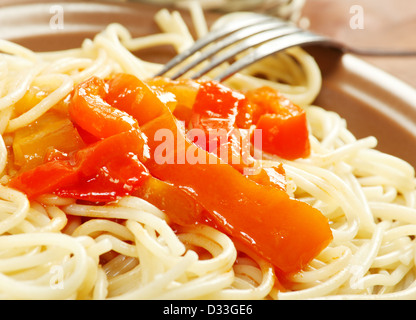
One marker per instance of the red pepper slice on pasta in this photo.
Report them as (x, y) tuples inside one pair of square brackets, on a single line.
[(221, 116), (259, 214), (102, 172), (287, 232)]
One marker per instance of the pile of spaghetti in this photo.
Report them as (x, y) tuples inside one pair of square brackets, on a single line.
[(118, 185)]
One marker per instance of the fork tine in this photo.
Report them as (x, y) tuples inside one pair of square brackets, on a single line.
[(250, 42), (233, 38), (301, 38), (265, 34), (210, 37)]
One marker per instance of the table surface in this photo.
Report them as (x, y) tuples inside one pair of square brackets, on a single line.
[(387, 24)]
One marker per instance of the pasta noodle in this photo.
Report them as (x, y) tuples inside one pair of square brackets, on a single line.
[(56, 248)]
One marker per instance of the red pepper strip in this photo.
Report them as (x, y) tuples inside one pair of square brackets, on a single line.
[(44, 179), (102, 172), (283, 124), (109, 169), (184, 91), (90, 112), (215, 108), (287, 232), (130, 94), (216, 112)]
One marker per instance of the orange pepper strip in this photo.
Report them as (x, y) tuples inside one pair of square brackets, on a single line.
[(177, 203), (287, 232)]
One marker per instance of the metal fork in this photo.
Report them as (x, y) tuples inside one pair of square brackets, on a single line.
[(265, 35)]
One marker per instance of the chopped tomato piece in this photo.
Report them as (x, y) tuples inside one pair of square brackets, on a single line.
[(217, 111), (287, 138), (213, 123)]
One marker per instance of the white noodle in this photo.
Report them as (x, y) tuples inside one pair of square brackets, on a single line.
[(128, 250)]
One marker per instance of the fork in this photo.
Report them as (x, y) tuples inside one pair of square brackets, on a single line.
[(265, 35)]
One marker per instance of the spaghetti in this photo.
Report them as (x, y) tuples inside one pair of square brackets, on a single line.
[(57, 248)]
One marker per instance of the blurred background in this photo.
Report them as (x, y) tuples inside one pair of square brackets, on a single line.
[(389, 24)]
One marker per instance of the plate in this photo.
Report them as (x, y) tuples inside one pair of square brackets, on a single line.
[(372, 101)]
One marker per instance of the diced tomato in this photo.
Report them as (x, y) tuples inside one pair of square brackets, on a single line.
[(285, 137), (217, 111), (213, 123)]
